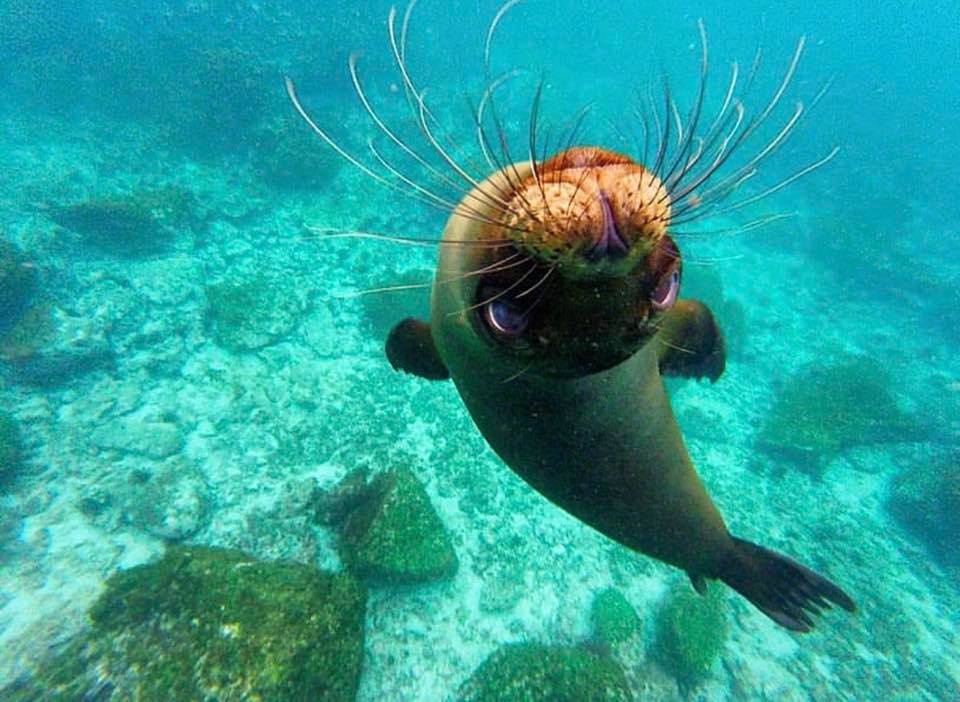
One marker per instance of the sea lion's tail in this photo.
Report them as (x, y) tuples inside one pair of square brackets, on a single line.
[(787, 592)]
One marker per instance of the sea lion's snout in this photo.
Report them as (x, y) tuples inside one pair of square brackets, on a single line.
[(592, 212), (610, 243)]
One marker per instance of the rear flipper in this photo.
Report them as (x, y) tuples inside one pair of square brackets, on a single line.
[(690, 342), (787, 592)]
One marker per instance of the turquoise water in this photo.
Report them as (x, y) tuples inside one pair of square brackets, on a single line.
[(190, 361)]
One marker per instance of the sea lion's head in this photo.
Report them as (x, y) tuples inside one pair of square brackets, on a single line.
[(585, 270)]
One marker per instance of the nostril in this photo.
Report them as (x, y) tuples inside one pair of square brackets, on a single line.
[(610, 243)]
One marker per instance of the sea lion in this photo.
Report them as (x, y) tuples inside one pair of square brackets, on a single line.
[(555, 312), (559, 362)]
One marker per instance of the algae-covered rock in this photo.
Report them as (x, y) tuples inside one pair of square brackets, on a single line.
[(690, 633), (244, 315), (395, 535), (11, 448), (120, 225), (154, 439), (130, 224), (286, 154), (213, 624), (538, 672), (172, 503), (825, 409), (17, 283), (29, 333), (612, 618), (332, 505), (925, 498)]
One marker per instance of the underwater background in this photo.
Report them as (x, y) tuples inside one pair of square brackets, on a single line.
[(212, 484)]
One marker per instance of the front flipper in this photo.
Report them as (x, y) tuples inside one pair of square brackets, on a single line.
[(410, 348), (690, 342)]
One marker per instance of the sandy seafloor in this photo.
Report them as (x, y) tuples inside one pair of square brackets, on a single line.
[(258, 428)]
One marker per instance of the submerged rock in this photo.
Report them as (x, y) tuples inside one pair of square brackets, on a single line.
[(395, 535), (130, 224), (213, 624), (926, 499), (11, 447), (538, 672), (285, 155), (135, 435), (826, 409), (612, 618), (172, 504), (244, 315), (17, 283), (46, 347), (691, 631), (332, 506)]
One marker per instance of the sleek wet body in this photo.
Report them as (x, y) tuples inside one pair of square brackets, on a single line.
[(555, 311), (592, 429)]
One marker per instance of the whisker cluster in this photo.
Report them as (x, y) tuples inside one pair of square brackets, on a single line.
[(699, 161)]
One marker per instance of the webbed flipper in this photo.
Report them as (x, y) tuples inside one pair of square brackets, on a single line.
[(410, 348), (690, 342), (789, 593)]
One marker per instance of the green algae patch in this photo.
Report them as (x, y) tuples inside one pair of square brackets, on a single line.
[(29, 333), (613, 620), (925, 499), (691, 631), (826, 409), (535, 672), (395, 535), (134, 224), (17, 283), (285, 155), (11, 446), (214, 624), (249, 314)]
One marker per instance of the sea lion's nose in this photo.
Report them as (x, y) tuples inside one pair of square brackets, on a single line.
[(610, 243)]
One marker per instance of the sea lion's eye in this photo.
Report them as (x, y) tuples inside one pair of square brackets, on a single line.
[(664, 295), (504, 318)]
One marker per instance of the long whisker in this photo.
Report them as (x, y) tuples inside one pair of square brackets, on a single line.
[(328, 233), (502, 265), (347, 294), (540, 282), (739, 229), (511, 378), (494, 23), (486, 198), (497, 296), (687, 216)]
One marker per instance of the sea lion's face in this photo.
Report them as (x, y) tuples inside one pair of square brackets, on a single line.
[(590, 270)]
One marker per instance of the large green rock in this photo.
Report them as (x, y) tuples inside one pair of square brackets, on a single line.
[(17, 282), (613, 619), (11, 448), (691, 631), (213, 624), (825, 409), (249, 314), (538, 672), (395, 535), (130, 224), (925, 498)]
